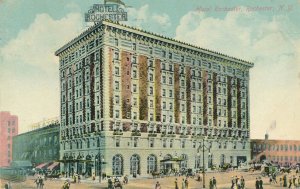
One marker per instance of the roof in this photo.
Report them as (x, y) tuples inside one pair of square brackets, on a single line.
[(151, 35)]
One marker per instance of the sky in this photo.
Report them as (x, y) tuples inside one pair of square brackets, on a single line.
[(266, 33)]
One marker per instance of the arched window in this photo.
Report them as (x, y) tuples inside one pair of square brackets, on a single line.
[(135, 164), (151, 164), (117, 167)]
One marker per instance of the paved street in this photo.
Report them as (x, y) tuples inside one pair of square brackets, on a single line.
[(223, 182)]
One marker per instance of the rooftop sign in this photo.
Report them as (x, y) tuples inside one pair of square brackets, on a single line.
[(99, 12)]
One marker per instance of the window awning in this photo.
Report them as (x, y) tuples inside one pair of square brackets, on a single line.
[(53, 165)]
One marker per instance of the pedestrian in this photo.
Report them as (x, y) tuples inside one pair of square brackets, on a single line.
[(79, 178), (41, 182), (238, 184), (183, 184), (176, 184), (284, 181), (214, 180), (6, 186), (294, 180), (109, 183), (274, 178), (256, 183), (186, 183), (157, 185), (242, 182), (232, 182), (211, 185), (290, 182), (65, 185), (37, 182), (280, 181), (260, 183)]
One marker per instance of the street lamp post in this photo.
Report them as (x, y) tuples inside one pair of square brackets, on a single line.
[(203, 164), (100, 162)]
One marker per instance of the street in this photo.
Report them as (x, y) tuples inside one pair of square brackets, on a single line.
[(223, 182)]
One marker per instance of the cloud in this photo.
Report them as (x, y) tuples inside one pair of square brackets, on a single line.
[(29, 69), (144, 18), (162, 19), (138, 16), (271, 45)]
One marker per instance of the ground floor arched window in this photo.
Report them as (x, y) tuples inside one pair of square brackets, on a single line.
[(151, 164), (135, 164), (117, 165)]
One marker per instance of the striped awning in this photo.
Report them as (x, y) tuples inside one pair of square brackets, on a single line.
[(53, 165), (40, 166)]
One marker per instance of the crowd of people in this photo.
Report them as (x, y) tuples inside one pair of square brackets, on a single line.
[(184, 183)]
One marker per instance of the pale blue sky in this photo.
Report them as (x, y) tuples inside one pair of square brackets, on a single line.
[(264, 32)]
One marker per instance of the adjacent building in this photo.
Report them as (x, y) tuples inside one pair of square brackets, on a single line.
[(8, 129), (39, 146), (141, 102), (282, 152)]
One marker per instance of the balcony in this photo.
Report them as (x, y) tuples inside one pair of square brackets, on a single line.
[(117, 133), (152, 135), (136, 133)]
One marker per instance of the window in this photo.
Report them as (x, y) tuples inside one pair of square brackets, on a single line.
[(164, 92), (117, 71), (170, 80), (116, 56), (135, 164), (117, 140), (164, 143), (117, 114), (134, 88), (164, 79), (151, 103), (150, 90), (151, 117), (164, 54), (182, 144), (151, 142), (171, 106), (117, 85), (117, 99), (134, 75), (170, 93), (171, 143), (117, 165), (116, 42), (151, 164), (135, 142), (150, 77)]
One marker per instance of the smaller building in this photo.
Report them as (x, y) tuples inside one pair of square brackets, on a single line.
[(8, 129), (282, 152), (39, 146)]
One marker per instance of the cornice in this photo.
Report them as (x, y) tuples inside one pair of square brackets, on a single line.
[(155, 39)]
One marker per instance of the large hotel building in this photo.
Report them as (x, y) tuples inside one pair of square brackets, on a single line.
[(133, 102)]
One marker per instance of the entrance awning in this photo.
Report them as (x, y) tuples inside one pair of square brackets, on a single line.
[(171, 160), (53, 165)]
